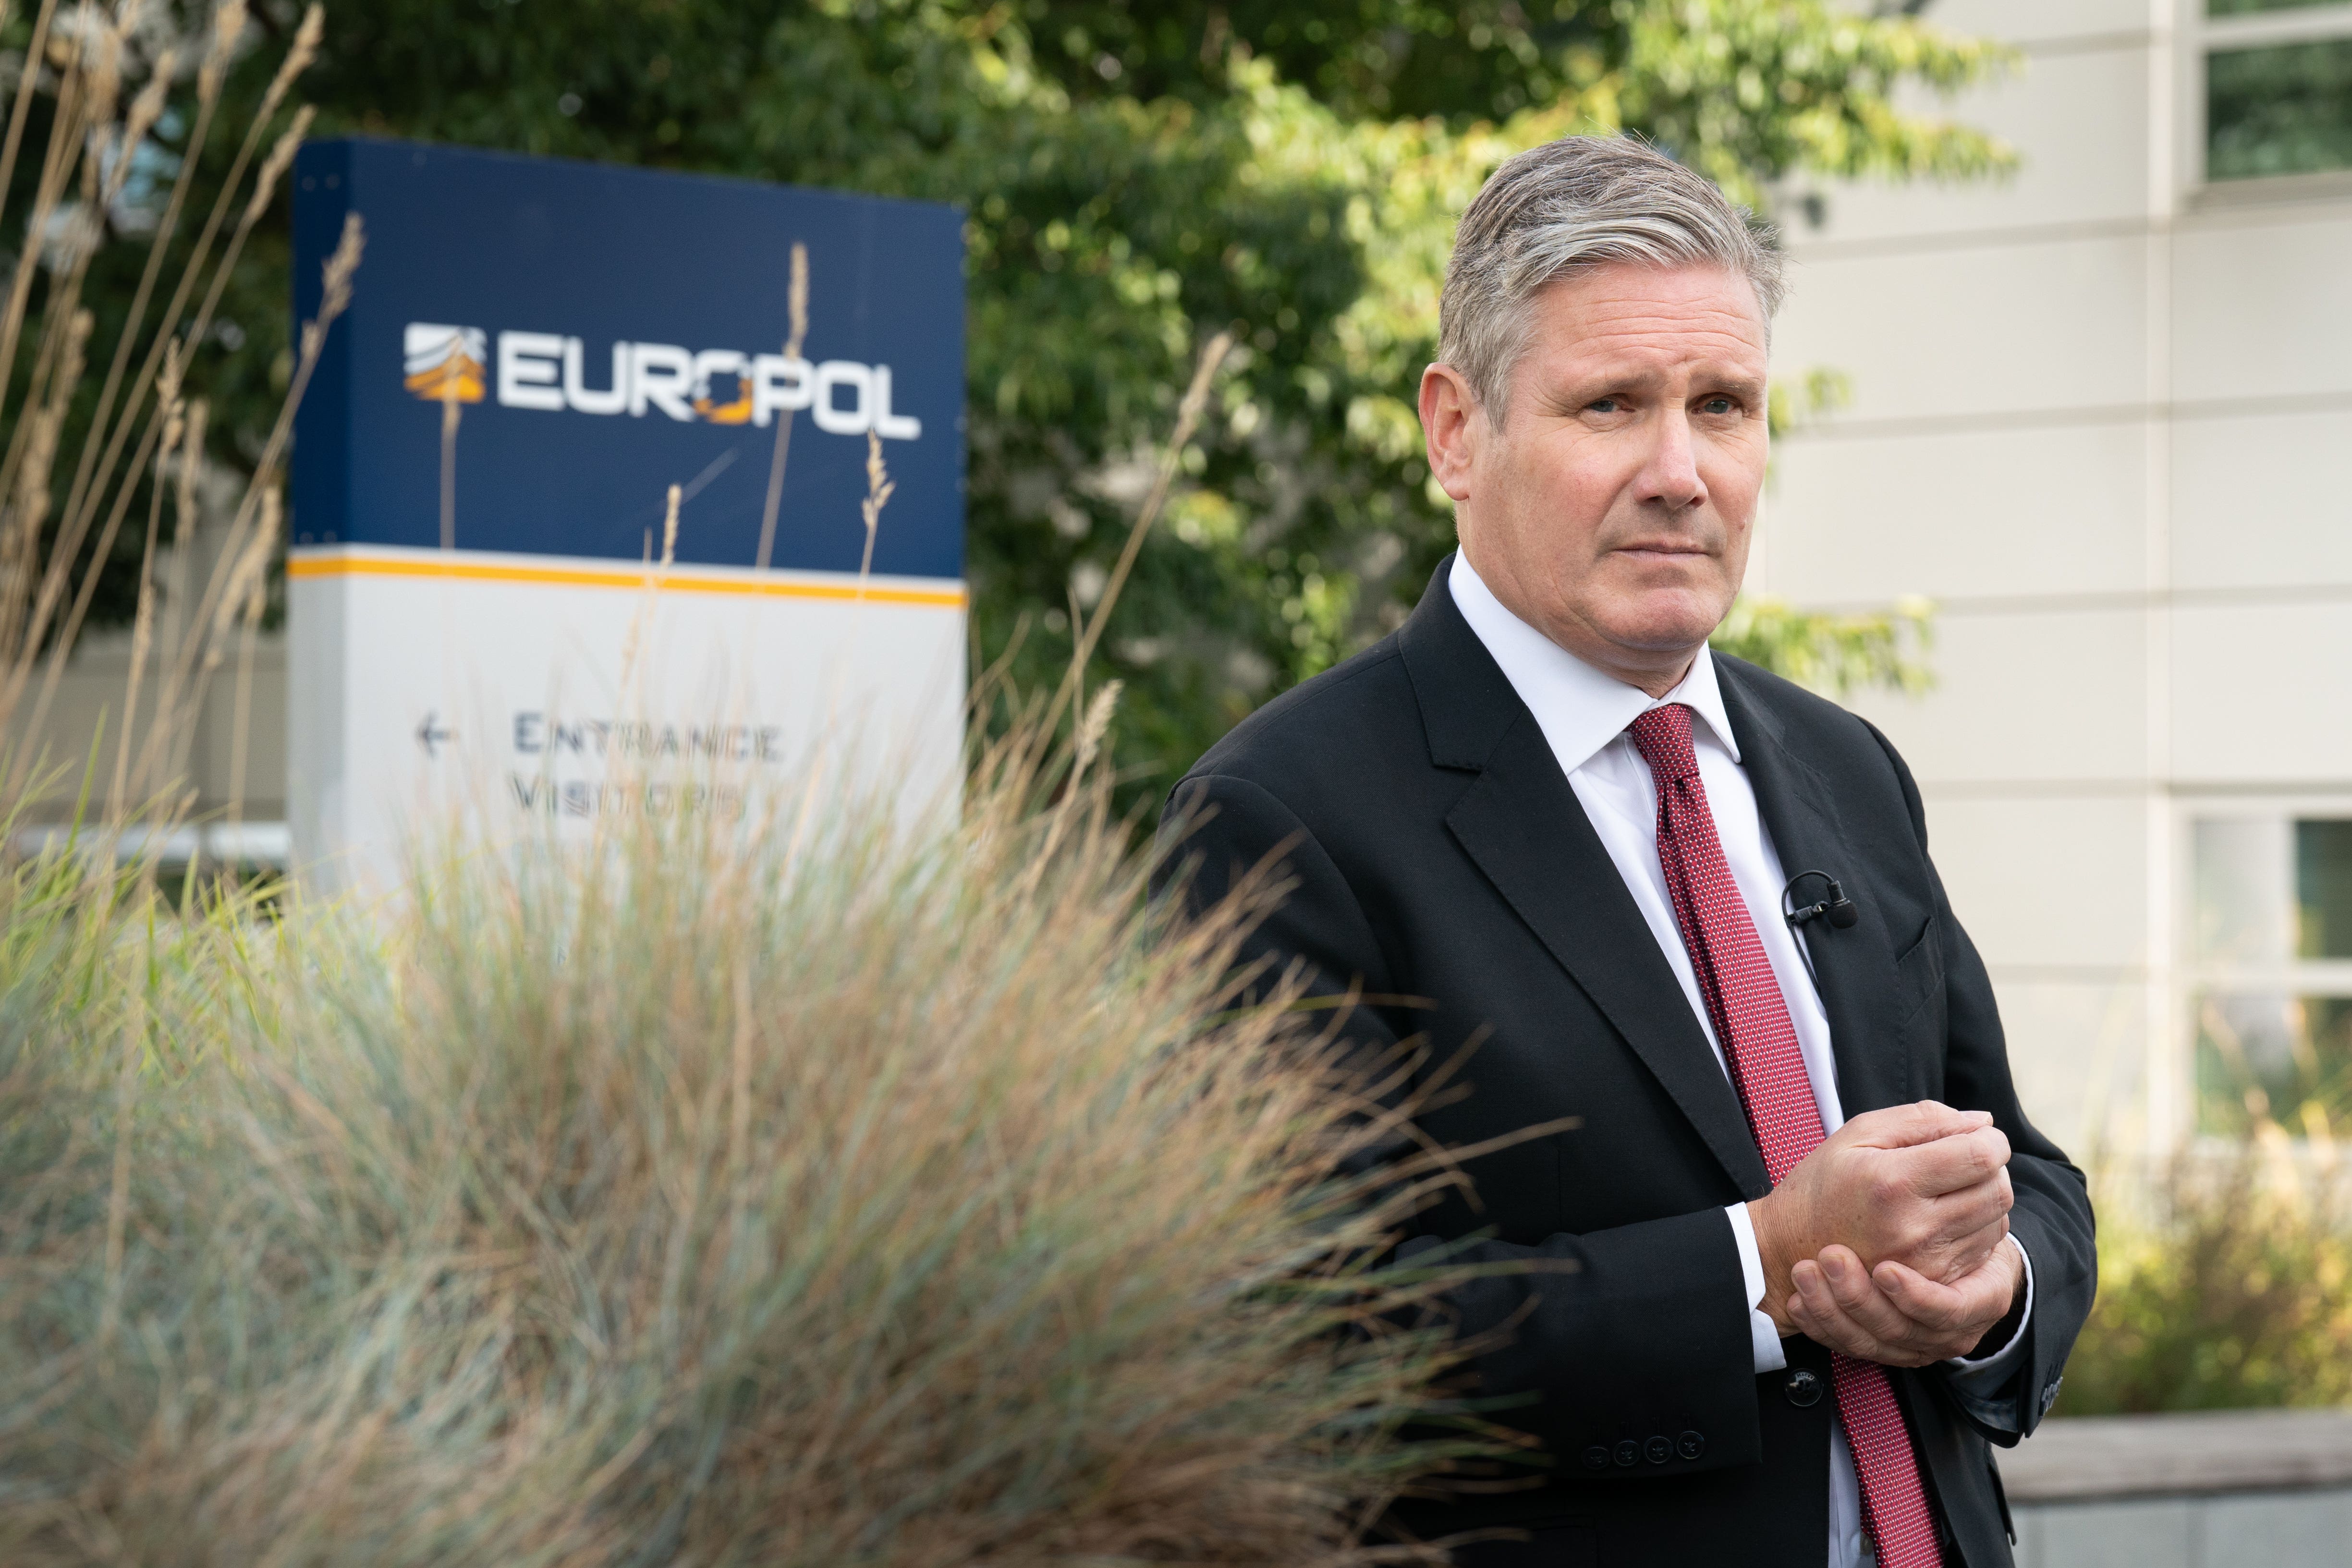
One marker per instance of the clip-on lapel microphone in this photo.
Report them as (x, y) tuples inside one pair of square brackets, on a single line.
[(1836, 907)]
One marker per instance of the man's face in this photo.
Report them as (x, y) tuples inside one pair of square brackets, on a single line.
[(1611, 510)]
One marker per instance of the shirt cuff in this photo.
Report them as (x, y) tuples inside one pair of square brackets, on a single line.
[(1994, 1369), (1763, 1334)]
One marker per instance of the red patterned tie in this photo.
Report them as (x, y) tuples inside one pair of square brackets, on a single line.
[(1751, 1021)]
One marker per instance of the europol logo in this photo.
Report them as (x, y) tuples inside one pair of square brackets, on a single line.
[(551, 372), (734, 381), (444, 364)]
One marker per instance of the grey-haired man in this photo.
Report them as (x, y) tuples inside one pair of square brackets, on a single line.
[(1820, 1259)]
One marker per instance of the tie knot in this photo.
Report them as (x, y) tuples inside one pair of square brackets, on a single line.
[(1662, 735)]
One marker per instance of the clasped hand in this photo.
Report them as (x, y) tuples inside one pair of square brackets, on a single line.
[(1886, 1242)]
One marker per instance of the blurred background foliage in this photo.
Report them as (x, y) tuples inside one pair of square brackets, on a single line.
[(2225, 1285), (1138, 176)]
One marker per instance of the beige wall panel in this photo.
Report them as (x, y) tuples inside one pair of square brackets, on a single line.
[(265, 741), (2000, 329), (2079, 1054), (2043, 881), (91, 694), (2078, 120), (1968, 513), (2034, 21), (2260, 501), (2040, 697), (2264, 309), (2259, 694)]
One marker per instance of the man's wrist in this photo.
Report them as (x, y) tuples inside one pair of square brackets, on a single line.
[(2004, 1329), (1776, 1264)]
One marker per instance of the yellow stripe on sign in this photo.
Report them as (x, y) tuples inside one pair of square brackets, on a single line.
[(588, 577)]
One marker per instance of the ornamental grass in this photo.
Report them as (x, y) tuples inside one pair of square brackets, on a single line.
[(803, 1193)]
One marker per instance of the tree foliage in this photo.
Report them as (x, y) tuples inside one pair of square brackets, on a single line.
[(1138, 176)]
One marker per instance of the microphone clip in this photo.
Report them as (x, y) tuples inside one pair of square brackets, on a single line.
[(1834, 906)]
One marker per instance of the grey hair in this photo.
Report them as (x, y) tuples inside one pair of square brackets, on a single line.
[(1564, 208)]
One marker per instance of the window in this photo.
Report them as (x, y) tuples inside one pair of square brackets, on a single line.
[(2271, 970), (2277, 87), (2323, 889)]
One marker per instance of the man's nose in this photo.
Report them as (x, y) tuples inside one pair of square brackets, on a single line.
[(1670, 477)]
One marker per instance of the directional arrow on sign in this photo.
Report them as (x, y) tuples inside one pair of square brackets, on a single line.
[(429, 734)]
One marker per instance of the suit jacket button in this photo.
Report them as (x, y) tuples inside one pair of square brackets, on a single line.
[(1803, 1388), (1658, 1450), (1629, 1452), (1690, 1445), (1596, 1458)]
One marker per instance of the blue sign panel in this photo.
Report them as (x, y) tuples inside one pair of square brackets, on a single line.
[(603, 333)]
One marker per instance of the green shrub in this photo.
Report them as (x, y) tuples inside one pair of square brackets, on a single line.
[(2230, 1288)]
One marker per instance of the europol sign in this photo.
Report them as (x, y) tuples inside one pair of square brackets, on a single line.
[(536, 351), (548, 372)]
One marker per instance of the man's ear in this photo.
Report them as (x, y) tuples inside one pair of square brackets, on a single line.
[(1450, 427)]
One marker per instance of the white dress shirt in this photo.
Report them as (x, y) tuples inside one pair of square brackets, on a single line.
[(1583, 714)]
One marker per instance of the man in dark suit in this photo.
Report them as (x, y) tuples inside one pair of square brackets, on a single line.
[(1819, 1259)]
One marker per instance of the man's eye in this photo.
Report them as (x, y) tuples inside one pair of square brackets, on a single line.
[(1602, 405), (1717, 406)]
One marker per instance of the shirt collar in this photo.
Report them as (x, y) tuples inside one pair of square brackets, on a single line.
[(1581, 709)]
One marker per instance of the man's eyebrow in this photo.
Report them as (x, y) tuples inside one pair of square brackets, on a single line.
[(1582, 387), (1575, 391)]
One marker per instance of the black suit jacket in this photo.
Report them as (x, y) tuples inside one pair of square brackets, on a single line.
[(1437, 852)]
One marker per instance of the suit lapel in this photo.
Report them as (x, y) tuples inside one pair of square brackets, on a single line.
[(1524, 828), (1853, 968)]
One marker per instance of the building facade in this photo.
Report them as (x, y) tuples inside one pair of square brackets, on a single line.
[(2100, 413)]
